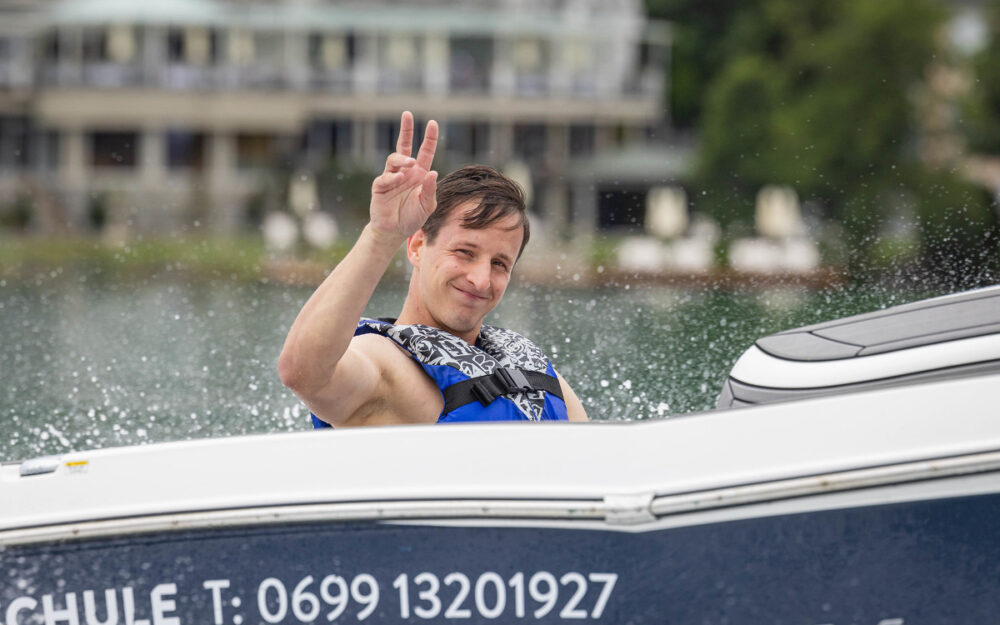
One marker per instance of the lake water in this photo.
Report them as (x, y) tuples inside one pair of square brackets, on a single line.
[(86, 364)]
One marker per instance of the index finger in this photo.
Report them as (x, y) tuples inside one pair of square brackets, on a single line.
[(404, 145), (429, 145)]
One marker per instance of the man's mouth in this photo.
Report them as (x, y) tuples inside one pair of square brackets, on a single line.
[(470, 294)]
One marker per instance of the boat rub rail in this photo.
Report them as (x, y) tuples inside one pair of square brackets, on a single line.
[(616, 510)]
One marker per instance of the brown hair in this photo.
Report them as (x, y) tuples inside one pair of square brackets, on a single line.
[(498, 195)]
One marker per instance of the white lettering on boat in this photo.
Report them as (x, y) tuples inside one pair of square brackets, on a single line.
[(64, 609), (426, 595)]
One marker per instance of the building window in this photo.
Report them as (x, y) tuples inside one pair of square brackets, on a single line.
[(175, 45), (470, 63), (95, 45), (334, 138), (621, 208), (239, 47), (530, 59), (268, 49), (50, 47), (386, 134), (114, 149), (582, 139), (193, 45), (341, 138), (331, 51), (15, 134), (530, 142), (400, 63), (185, 149), (467, 140), (255, 151), (50, 150), (121, 45), (331, 59)]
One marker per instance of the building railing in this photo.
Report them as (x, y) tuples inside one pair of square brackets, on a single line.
[(491, 74), (183, 77)]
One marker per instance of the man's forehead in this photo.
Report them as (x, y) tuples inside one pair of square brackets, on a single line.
[(507, 229), (503, 229), (467, 209)]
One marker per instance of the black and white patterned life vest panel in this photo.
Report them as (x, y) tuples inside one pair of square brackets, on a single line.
[(504, 377)]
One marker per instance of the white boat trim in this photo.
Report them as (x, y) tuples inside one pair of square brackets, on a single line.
[(614, 510), (921, 491), (821, 374), (308, 513), (831, 482)]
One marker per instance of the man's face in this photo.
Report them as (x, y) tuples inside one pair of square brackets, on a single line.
[(463, 274)]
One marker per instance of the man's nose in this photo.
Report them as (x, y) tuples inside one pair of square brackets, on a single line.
[(479, 276)]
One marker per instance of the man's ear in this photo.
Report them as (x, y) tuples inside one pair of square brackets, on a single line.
[(415, 245)]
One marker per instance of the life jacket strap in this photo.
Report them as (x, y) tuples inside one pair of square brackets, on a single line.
[(487, 388)]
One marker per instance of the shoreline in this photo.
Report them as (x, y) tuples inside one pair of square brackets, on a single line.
[(310, 273), (246, 259)]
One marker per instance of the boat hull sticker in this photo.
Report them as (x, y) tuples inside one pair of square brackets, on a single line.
[(919, 562)]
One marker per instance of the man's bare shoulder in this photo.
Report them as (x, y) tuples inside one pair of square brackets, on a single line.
[(390, 358), (375, 345), (405, 394), (394, 364)]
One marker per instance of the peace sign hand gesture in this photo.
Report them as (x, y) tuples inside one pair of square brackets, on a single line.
[(403, 194)]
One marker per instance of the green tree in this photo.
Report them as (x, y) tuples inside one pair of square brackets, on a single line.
[(699, 50), (981, 115), (820, 97)]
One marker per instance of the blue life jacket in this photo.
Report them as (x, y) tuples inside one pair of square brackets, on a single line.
[(504, 377)]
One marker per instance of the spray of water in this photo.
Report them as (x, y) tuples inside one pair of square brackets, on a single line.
[(91, 363)]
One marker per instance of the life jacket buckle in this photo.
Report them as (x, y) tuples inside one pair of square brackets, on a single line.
[(483, 394), (513, 380), (500, 382)]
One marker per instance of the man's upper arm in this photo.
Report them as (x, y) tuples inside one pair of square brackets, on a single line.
[(574, 407), (355, 384)]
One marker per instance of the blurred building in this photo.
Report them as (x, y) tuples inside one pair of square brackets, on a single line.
[(146, 110)]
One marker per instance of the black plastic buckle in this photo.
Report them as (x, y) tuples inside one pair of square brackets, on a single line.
[(500, 382), (513, 380), (483, 394)]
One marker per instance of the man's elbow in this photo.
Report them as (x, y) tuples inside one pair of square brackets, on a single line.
[(291, 372), (302, 376)]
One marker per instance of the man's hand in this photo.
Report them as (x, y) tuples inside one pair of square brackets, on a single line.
[(403, 194)]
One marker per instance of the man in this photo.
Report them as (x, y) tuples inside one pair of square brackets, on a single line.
[(440, 364)]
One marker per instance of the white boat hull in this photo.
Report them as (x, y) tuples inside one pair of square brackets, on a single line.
[(872, 507)]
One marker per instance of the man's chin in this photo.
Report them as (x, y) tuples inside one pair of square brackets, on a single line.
[(462, 324)]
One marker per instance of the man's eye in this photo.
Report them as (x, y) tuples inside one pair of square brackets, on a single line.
[(500, 264)]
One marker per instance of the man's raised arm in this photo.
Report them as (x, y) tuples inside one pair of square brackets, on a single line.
[(316, 361)]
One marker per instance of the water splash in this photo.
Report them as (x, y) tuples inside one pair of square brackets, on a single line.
[(97, 364)]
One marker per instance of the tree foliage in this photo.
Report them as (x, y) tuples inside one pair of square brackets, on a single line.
[(981, 117), (701, 46), (821, 96)]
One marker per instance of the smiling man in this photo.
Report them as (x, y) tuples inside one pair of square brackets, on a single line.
[(437, 362)]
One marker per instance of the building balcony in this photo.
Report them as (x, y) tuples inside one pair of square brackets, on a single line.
[(182, 77)]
